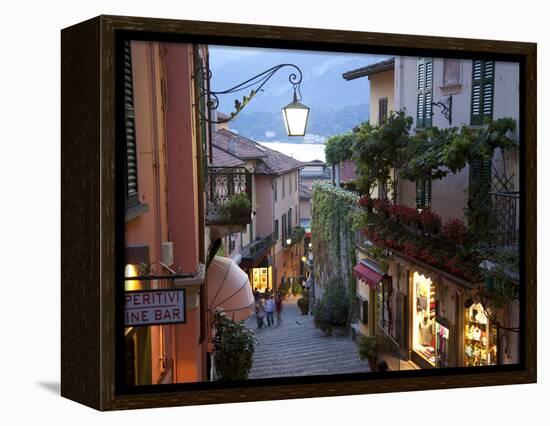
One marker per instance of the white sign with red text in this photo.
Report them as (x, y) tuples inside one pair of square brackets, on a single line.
[(154, 307)]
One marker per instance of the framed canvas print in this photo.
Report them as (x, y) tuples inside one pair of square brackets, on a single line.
[(253, 212)]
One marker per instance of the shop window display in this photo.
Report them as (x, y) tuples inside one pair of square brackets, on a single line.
[(261, 279), (424, 318), (443, 339), (480, 337)]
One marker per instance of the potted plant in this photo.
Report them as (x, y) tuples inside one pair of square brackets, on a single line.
[(368, 350), (303, 302), (237, 210), (233, 348), (332, 310)]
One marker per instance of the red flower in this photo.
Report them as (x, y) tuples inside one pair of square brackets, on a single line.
[(430, 221), (456, 231)]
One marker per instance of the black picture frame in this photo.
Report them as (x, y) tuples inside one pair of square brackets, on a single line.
[(92, 214)]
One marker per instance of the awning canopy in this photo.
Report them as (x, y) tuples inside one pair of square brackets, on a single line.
[(364, 273), (229, 289)]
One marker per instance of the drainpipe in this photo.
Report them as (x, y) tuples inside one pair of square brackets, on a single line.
[(274, 277), (337, 174)]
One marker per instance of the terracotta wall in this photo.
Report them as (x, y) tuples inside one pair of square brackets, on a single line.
[(184, 200), (151, 228), (347, 171)]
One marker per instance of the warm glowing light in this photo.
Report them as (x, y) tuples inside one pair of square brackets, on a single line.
[(304, 259), (129, 272), (289, 241)]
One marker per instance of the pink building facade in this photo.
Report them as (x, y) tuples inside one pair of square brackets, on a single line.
[(164, 231)]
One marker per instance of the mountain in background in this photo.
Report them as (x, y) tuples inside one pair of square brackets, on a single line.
[(336, 105)]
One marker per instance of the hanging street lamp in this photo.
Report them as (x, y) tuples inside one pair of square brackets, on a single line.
[(295, 114)]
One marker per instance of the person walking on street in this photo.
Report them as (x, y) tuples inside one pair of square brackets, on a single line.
[(278, 307), (260, 313), (269, 309)]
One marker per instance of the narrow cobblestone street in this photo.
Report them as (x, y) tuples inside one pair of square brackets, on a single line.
[(297, 348)]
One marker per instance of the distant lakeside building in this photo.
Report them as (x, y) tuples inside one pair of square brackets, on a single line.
[(270, 247)]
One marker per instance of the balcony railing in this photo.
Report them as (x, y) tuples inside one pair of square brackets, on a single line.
[(505, 219), (297, 234), (257, 249), (229, 196)]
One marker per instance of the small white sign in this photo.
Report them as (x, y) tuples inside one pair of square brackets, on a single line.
[(154, 307)]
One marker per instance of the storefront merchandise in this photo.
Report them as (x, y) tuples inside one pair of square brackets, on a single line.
[(480, 337), (424, 318)]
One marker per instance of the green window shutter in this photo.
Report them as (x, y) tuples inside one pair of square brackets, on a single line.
[(483, 78), (480, 176), (132, 197), (423, 193), (289, 221), (382, 110), (276, 232), (425, 87), (428, 92)]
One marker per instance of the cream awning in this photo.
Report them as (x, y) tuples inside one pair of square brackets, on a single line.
[(229, 289)]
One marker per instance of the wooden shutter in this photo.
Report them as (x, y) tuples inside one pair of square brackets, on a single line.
[(424, 100), (284, 228), (289, 221), (276, 230), (132, 197), (480, 176), (382, 110), (365, 312), (423, 193), (483, 78)]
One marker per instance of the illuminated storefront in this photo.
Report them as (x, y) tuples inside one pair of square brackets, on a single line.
[(261, 278), (480, 336), (424, 313)]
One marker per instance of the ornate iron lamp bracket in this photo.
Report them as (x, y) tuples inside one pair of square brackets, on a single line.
[(446, 108), (256, 83)]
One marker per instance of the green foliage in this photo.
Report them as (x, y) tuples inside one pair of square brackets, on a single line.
[(368, 348), (237, 209), (239, 106), (379, 149), (296, 289), (233, 348), (297, 234), (339, 148), (434, 152), (440, 151), (333, 308)]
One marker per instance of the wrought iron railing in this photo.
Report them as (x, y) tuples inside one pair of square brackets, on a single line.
[(297, 234), (225, 204), (505, 219)]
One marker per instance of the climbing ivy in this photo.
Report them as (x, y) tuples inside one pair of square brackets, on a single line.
[(333, 238)]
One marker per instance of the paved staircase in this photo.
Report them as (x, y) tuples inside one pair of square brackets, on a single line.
[(297, 348)]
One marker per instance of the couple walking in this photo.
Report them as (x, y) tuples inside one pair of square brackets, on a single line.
[(272, 306)]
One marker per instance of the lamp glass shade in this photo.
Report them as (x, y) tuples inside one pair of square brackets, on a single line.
[(289, 241), (295, 115)]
